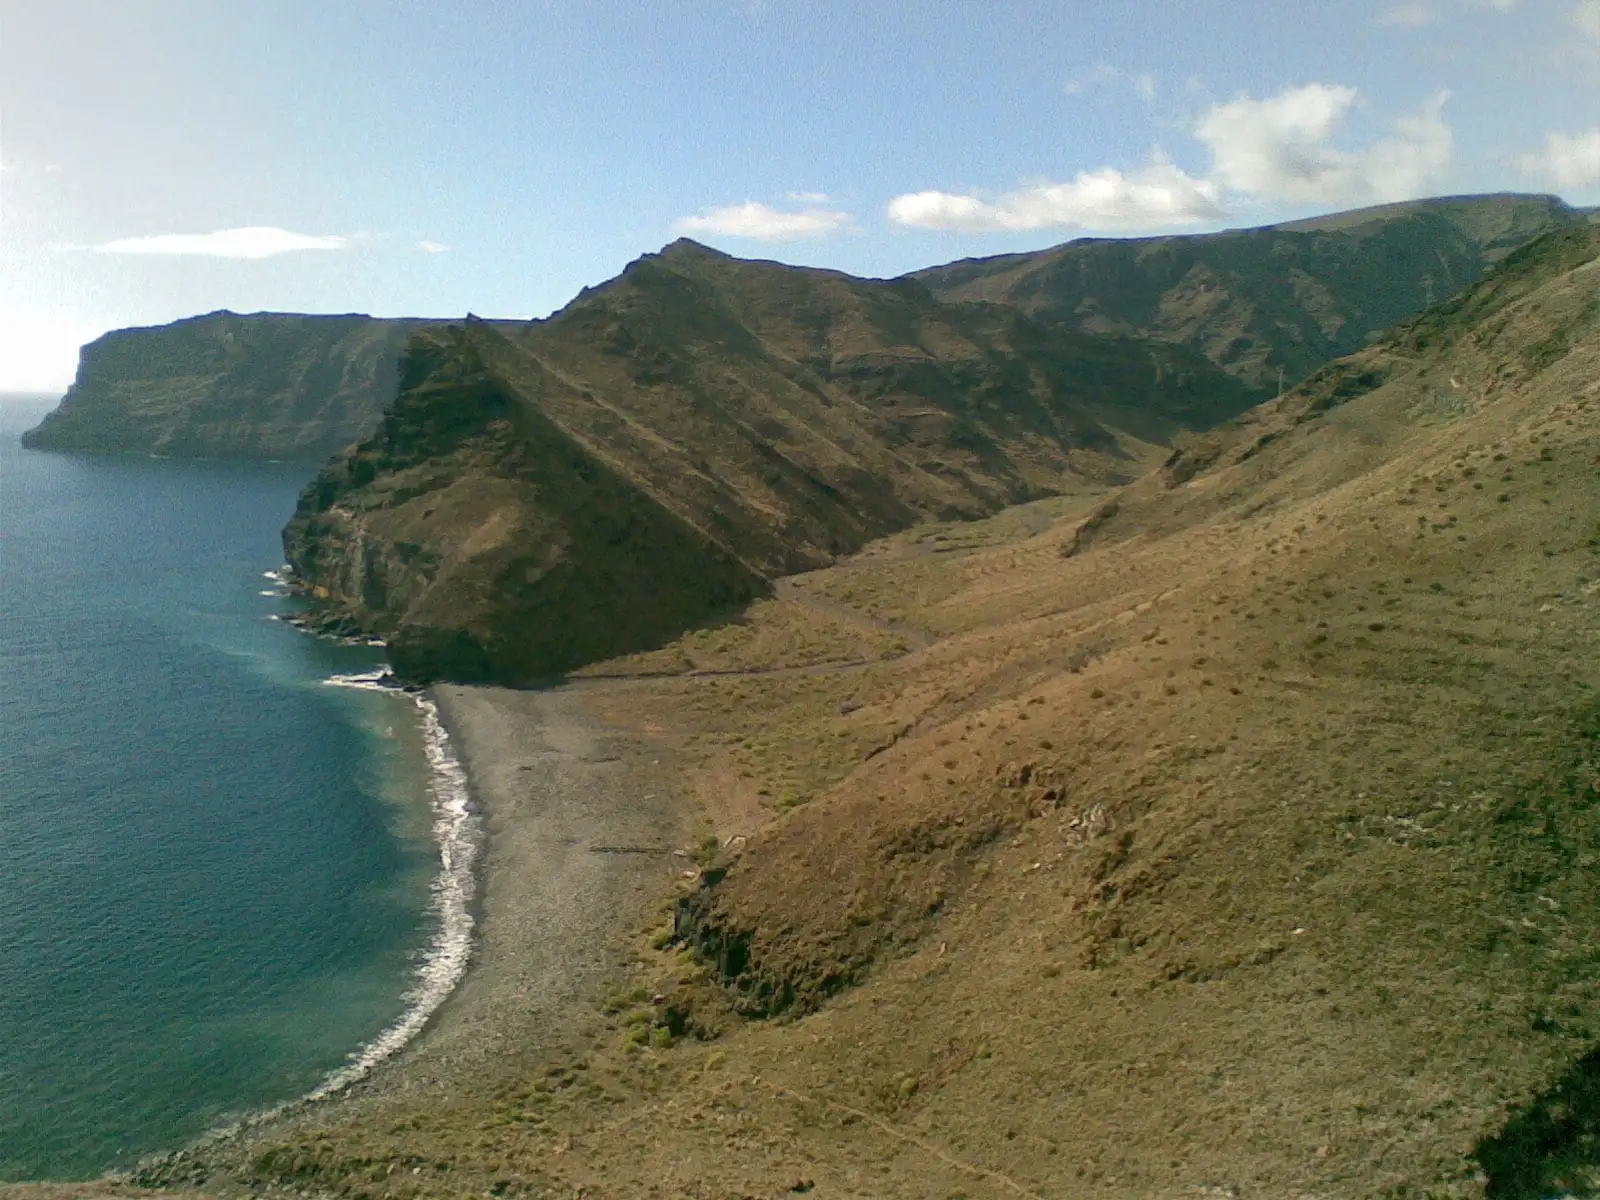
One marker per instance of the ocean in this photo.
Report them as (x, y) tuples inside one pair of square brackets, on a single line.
[(220, 879)]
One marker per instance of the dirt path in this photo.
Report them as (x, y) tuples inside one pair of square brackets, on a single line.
[(914, 638)]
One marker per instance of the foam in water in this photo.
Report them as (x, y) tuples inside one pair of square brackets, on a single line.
[(457, 832)]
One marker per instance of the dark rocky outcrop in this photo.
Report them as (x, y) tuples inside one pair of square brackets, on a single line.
[(228, 385), (544, 495)]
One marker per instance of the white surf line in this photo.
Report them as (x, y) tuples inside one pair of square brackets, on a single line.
[(457, 832)]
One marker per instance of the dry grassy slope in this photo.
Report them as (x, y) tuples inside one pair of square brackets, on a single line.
[(1244, 852), (1289, 883), (751, 420), (1291, 296), (263, 385)]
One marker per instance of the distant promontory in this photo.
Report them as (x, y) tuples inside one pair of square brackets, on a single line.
[(230, 385)]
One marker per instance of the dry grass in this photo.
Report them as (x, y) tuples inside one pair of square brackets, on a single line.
[(1249, 850), (768, 635)]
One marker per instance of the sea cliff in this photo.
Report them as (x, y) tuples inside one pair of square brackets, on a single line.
[(230, 385), (544, 495)]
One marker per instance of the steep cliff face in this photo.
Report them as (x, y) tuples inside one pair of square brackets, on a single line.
[(1252, 301), (548, 494), (483, 542), (225, 385)]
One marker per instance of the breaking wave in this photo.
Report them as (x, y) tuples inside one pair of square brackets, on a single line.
[(457, 832)]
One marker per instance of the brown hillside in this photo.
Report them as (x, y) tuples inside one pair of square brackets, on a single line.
[(1236, 834), (548, 495), (1253, 301)]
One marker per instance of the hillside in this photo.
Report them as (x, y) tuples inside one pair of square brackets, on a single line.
[(1292, 296), (275, 385), (1231, 833), (545, 495), (230, 385)]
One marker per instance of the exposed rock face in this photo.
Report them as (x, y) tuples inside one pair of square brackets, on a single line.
[(546, 495), (1252, 301), (225, 385)]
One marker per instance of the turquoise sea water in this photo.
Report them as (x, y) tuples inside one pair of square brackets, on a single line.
[(214, 869)]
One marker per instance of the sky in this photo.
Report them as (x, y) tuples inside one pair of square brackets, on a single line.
[(162, 158)]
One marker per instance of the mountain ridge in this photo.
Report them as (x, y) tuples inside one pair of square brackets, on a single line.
[(1290, 295), (229, 385), (277, 393), (779, 417)]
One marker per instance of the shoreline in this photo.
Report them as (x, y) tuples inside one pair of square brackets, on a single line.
[(456, 829), (552, 789)]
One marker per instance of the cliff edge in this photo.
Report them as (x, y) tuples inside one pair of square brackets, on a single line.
[(544, 495), (230, 385)]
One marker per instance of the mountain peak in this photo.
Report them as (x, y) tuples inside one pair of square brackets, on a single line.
[(689, 248)]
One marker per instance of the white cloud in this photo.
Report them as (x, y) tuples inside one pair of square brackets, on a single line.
[(1568, 160), (1279, 149), (1413, 14), (1585, 18), (808, 197), (1158, 195), (256, 241), (1098, 74), (1408, 16), (428, 247), (764, 223)]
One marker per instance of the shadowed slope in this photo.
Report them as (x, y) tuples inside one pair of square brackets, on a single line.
[(225, 385), (751, 420), (1254, 300)]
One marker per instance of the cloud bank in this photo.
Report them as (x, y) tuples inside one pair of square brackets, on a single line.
[(1158, 194), (252, 242), (1281, 150), (1568, 160), (763, 223)]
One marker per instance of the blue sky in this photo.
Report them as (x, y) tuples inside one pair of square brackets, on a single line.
[(160, 158)]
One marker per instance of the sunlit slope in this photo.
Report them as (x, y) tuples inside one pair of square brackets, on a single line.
[(1247, 830), (551, 494)]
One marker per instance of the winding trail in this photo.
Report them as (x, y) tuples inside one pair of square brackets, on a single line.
[(914, 638)]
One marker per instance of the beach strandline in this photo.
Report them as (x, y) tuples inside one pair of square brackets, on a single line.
[(548, 793)]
